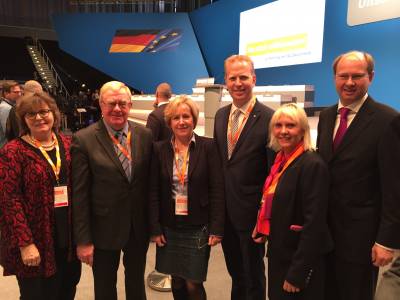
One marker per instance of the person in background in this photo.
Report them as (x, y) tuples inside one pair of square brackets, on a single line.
[(156, 121), (187, 207), (35, 204), (12, 126), (10, 92), (363, 217), (110, 174), (241, 135), (293, 211)]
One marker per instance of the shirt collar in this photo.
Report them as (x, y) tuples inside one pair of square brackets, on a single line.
[(355, 106), (244, 108), (12, 103), (162, 103), (192, 141), (113, 131)]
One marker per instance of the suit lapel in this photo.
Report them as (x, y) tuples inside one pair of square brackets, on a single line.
[(330, 121), (135, 147), (105, 141), (224, 131), (357, 126), (194, 155), (168, 156), (253, 117)]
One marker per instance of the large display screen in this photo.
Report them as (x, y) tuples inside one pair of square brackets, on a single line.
[(283, 33)]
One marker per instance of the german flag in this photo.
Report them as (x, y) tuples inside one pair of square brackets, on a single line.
[(144, 40)]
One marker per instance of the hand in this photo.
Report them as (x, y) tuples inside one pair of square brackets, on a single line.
[(214, 240), (287, 287), (30, 255), (85, 253), (381, 256), (258, 237), (159, 240)]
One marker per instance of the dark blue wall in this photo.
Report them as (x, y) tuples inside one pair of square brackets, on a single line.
[(217, 30), (88, 37), (216, 26)]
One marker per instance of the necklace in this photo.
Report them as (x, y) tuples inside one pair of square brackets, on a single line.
[(46, 147)]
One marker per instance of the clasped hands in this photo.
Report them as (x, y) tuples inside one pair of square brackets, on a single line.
[(160, 240)]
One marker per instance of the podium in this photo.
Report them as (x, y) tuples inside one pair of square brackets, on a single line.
[(212, 102)]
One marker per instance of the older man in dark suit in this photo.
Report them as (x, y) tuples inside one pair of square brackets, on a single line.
[(110, 166), (156, 121), (241, 134), (363, 217)]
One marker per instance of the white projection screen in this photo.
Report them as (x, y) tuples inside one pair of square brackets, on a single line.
[(283, 33)]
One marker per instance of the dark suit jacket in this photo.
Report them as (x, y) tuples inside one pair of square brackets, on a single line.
[(205, 187), (156, 123), (12, 127), (360, 212), (246, 170), (106, 206), (301, 198)]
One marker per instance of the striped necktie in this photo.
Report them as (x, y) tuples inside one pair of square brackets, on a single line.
[(126, 165), (234, 130)]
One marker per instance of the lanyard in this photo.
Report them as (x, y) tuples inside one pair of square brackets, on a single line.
[(233, 139), (271, 188), (126, 151), (56, 168), (182, 171)]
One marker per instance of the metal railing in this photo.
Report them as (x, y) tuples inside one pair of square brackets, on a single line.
[(59, 83)]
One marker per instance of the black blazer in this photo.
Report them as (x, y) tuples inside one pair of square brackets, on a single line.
[(301, 198), (106, 206), (156, 123), (205, 187), (361, 211), (246, 170)]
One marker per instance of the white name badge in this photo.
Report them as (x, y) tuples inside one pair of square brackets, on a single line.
[(60, 196), (181, 205)]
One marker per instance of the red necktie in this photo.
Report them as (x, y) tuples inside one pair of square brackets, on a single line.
[(344, 111)]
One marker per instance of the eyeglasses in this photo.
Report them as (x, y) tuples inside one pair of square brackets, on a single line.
[(121, 104), (16, 92), (354, 77), (44, 113)]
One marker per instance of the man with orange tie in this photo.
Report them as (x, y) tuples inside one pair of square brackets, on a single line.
[(361, 215), (241, 135)]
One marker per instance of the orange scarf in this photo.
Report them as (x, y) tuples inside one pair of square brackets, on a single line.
[(281, 163)]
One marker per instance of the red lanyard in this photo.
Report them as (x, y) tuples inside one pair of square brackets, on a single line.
[(126, 151), (56, 168), (234, 139)]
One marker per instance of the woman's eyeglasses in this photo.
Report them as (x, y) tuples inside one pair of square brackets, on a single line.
[(43, 113)]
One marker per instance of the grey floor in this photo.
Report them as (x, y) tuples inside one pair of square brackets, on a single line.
[(217, 285)]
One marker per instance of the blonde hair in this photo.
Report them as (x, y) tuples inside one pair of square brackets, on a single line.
[(116, 86), (298, 115), (173, 105), (361, 55), (239, 58)]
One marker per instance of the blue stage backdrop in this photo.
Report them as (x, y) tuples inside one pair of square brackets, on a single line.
[(101, 39), (217, 30), (216, 26)]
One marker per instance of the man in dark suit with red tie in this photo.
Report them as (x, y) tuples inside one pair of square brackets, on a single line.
[(363, 217), (241, 135), (110, 167)]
